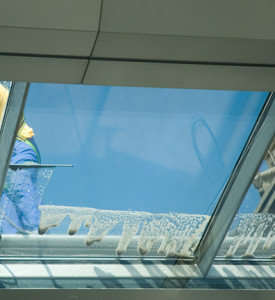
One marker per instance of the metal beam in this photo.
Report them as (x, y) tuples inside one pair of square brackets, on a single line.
[(10, 124), (237, 186), (134, 294)]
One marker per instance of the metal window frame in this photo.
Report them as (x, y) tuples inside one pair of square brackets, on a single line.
[(237, 186), (231, 197), (11, 120), (135, 294)]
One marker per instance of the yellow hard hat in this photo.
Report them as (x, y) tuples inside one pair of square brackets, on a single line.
[(4, 94), (25, 132)]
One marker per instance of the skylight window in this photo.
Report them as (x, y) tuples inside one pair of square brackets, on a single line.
[(136, 175), (147, 162)]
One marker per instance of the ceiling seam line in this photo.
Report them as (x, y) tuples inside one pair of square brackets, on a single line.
[(47, 29), (187, 36), (183, 62), (97, 34), (43, 55), (130, 60)]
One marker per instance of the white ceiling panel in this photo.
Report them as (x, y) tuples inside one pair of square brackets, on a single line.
[(252, 19), (46, 42), (164, 47), (37, 69), (51, 14), (190, 76)]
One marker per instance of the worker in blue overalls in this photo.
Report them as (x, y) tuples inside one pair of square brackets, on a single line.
[(20, 198)]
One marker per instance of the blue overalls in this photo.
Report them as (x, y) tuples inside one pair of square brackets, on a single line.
[(20, 197)]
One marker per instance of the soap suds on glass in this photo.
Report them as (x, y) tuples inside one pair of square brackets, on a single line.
[(177, 232), (254, 232)]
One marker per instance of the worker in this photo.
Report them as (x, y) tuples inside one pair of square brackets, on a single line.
[(20, 198), (4, 93)]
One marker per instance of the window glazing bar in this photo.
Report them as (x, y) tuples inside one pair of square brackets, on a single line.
[(75, 293), (10, 124), (237, 186)]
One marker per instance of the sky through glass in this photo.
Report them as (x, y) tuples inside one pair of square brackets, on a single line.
[(141, 149)]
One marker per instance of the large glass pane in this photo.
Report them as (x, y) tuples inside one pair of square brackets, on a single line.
[(252, 234), (148, 166)]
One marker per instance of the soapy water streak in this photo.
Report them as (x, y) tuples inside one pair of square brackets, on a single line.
[(251, 230), (178, 232), (22, 182)]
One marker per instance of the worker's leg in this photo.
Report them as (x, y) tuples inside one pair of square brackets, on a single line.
[(9, 217), (27, 199)]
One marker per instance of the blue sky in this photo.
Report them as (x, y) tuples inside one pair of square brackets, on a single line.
[(144, 149)]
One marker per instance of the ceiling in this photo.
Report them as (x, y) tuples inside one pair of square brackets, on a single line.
[(213, 44)]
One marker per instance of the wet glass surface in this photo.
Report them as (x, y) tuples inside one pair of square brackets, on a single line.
[(149, 164), (252, 234)]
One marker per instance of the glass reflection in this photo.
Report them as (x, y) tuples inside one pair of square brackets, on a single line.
[(252, 234)]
